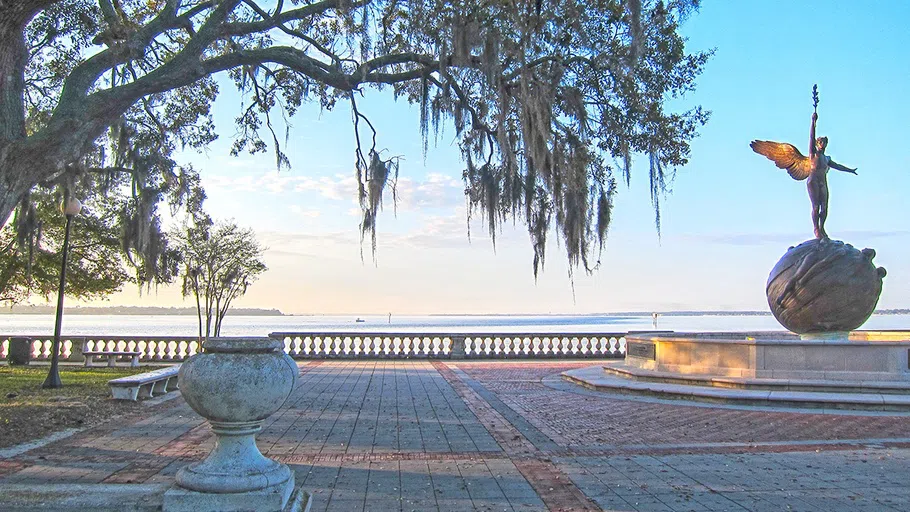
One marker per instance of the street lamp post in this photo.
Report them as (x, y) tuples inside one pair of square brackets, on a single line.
[(70, 208)]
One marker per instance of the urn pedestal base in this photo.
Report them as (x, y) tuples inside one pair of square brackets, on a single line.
[(278, 498), (235, 465)]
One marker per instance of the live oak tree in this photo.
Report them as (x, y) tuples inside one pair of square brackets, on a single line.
[(123, 175), (220, 262), (116, 238), (549, 99), (30, 257)]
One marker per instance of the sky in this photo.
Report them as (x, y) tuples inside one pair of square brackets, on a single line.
[(730, 216)]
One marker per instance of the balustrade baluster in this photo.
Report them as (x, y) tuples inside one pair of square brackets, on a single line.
[(293, 344), (407, 346), (320, 346), (342, 344), (549, 346)]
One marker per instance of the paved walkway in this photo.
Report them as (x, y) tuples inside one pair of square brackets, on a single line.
[(384, 435)]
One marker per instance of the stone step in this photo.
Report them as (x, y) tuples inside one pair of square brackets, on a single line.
[(892, 387), (595, 378), (94, 497), (103, 498)]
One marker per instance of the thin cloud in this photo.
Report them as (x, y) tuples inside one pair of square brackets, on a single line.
[(307, 213), (339, 187), (436, 191), (750, 239)]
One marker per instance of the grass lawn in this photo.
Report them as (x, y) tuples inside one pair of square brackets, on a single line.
[(29, 412)]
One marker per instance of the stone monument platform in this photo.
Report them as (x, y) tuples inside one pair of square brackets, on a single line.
[(861, 369)]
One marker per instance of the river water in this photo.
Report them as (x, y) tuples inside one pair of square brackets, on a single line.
[(180, 325)]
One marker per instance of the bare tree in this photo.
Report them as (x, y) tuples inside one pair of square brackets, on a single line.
[(220, 263)]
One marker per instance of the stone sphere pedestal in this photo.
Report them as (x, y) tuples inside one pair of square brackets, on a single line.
[(823, 289), (236, 383)]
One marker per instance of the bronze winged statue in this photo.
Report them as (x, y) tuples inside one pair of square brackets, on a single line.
[(813, 168)]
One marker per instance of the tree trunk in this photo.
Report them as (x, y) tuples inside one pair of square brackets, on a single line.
[(217, 328), (29, 158), (198, 308), (208, 321), (13, 58)]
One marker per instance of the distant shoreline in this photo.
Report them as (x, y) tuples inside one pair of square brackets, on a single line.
[(132, 310), (190, 311), (661, 313)]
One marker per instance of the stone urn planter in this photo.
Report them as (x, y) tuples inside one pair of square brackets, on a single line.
[(235, 383)]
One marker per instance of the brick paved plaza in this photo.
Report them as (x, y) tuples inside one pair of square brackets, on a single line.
[(505, 435)]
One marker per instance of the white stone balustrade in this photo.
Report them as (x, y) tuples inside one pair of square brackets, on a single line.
[(353, 345), (152, 348), (315, 345)]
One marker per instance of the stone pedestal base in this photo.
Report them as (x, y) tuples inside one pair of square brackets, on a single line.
[(861, 356), (826, 336), (279, 498)]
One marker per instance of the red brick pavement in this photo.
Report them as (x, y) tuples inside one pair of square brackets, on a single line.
[(189, 446), (8, 467), (553, 486), (185, 447), (585, 419), (309, 458), (584, 424)]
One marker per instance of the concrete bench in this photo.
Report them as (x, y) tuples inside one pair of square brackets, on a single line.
[(145, 385), (111, 356)]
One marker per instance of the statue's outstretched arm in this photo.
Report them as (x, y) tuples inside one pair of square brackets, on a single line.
[(834, 165), (812, 134)]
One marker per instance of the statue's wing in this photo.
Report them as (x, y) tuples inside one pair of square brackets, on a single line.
[(785, 156)]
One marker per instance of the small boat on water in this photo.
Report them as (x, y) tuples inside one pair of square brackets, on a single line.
[(360, 320)]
